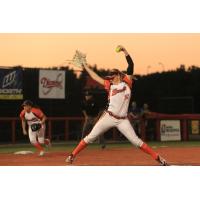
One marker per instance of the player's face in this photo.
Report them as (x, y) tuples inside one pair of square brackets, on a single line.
[(116, 79), (27, 108)]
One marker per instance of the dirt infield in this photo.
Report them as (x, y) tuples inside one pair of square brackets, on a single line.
[(109, 157)]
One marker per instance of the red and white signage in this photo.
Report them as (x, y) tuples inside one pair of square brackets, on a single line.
[(52, 84)]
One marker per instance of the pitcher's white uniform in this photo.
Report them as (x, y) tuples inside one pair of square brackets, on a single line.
[(32, 117), (116, 114)]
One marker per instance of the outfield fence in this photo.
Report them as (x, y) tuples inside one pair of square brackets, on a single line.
[(165, 127), (57, 129), (188, 129)]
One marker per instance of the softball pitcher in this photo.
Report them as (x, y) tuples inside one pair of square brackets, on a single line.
[(118, 86), (35, 119)]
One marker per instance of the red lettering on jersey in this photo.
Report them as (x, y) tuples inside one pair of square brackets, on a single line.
[(115, 91)]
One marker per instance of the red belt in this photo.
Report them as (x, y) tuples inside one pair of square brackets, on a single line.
[(115, 116)]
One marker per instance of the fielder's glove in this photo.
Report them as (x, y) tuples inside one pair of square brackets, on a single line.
[(36, 127)]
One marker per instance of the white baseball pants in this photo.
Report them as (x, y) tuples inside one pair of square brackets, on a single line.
[(35, 136), (107, 122)]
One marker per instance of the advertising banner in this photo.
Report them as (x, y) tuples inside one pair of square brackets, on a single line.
[(170, 130), (11, 84), (52, 84), (195, 127)]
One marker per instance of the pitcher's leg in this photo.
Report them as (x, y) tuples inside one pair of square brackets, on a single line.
[(127, 130), (104, 124)]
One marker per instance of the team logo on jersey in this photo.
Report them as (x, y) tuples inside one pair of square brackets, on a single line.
[(116, 91)]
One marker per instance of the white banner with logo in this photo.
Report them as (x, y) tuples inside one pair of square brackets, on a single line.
[(170, 130), (52, 84)]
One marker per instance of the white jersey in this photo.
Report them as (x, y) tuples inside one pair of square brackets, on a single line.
[(32, 117), (119, 97)]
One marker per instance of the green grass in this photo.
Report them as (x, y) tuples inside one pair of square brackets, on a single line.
[(69, 146)]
